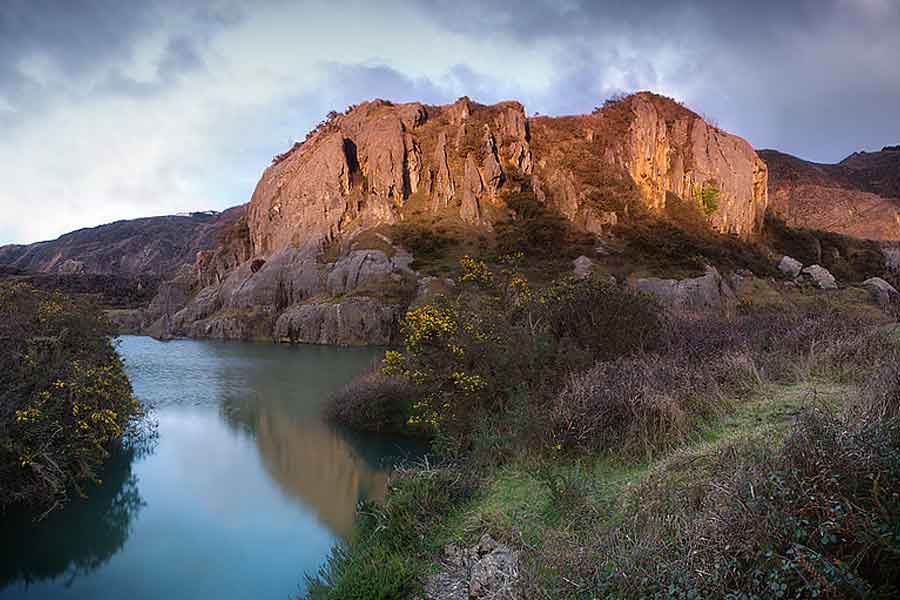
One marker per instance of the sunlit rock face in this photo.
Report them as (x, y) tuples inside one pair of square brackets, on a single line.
[(379, 163), (859, 196), (639, 152), (362, 168)]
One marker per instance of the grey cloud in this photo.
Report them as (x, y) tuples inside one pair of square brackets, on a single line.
[(78, 38), (179, 58), (815, 77)]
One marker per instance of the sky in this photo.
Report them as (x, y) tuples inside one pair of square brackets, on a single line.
[(112, 110)]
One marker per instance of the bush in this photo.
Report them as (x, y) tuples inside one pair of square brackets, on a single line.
[(499, 344), (707, 197), (847, 258), (423, 242), (601, 318), (374, 402), (818, 517), (687, 244), (536, 230), (64, 396), (634, 404)]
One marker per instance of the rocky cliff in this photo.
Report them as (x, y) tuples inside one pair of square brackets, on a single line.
[(297, 271), (859, 196), (155, 246)]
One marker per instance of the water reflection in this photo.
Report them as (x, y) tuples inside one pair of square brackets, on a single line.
[(32, 551), (328, 469), (246, 489)]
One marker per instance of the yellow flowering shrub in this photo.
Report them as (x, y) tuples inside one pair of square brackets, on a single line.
[(64, 395), (462, 351)]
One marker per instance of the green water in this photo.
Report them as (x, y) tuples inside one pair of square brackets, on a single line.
[(245, 489)]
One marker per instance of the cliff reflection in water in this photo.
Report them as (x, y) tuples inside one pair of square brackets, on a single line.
[(327, 468), (242, 469)]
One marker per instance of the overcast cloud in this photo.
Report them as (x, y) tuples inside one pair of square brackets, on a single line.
[(112, 110)]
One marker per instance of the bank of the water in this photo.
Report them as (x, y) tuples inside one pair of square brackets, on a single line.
[(245, 489)]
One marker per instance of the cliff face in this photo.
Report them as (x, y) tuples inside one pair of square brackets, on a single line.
[(639, 151), (150, 246), (381, 163), (369, 166), (859, 196)]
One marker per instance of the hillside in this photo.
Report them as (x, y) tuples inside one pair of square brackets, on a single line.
[(859, 196), (342, 228), (152, 246)]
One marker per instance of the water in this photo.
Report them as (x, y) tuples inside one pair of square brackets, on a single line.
[(244, 491)]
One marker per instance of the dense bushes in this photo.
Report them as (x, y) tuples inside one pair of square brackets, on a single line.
[(819, 517), (64, 396), (652, 460), (498, 343), (374, 402), (424, 242), (648, 401), (110, 291), (536, 230)]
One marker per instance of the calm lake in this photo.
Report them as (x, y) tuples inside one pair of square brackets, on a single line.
[(245, 489)]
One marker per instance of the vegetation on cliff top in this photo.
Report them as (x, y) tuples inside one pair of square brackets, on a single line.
[(64, 396)]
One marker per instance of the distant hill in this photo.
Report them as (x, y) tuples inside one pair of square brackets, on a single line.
[(859, 196), (152, 246)]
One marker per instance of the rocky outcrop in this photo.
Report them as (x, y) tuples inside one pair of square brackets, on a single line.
[(708, 293), (488, 570), (351, 322), (859, 196), (671, 151), (361, 168), (372, 270), (641, 152), (380, 162)]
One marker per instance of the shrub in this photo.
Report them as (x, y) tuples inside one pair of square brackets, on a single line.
[(423, 242), (536, 230), (685, 244), (601, 318), (64, 396), (849, 259), (374, 402), (639, 403), (819, 517), (707, 197), (498, 343)]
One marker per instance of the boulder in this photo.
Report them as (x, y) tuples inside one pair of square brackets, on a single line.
[(698, 294), (882, 291), (487, 570), (790, 266), (371, 270), (354, 321), (821, 277), (583, 267)]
